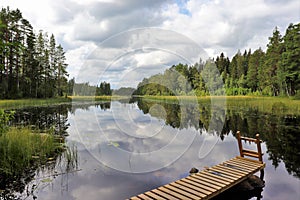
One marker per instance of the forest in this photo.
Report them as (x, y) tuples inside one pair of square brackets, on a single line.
[(85, 89), (275, 72), (32, 65)]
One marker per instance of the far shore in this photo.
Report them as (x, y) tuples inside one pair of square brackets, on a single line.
[(262, 103)]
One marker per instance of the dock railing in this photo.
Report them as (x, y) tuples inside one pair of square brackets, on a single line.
[(250, 153)]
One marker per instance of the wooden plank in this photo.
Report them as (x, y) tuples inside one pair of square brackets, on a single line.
[(254, 155), (144, 197), (250, 151), (218, 180), (163, 194), (207, 190), (229, 170), (226, 171), (242, 165), (204, 182), (248, 160), (171, 192), (198, 190), (238, 167), (201, 188), (219, 173), (187, 189), (135, 198), (207, 183), (181, 191), (234, 170), (209, 180), (228, 174), (153, 195), (218, 177)]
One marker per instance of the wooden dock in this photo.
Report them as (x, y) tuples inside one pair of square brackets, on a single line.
[(212, 181)]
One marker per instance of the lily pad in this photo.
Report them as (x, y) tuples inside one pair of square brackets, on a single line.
[(115, 144), (46, 180)]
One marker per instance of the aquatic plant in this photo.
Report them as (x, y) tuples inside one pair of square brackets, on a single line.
[(19, 148)]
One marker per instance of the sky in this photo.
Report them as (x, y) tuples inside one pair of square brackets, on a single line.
[(123, 41)]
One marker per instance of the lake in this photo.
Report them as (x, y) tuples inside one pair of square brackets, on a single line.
[(126, 147)]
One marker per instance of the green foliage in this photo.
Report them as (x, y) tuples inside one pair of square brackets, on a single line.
[(297, 95), (124, 91), (290, 59), (19, 103), (85, 89), (5, 117), (31, 66), (274, 73), (20, 147), (255, 61), (103, 89)]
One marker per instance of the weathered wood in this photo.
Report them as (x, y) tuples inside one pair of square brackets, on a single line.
[(202, 193), (153, 195), (247, 152), (238, 135), (163, 194), (214, 180), (258, 142), (242, 165), (204, 189), (171, 192)]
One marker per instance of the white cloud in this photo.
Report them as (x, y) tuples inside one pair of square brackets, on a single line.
[(217, 26)]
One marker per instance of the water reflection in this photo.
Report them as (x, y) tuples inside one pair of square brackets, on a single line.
[(53, 120), (279, 132), (138, 127)]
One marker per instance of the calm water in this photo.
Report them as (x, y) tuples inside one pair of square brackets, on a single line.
[(126, 148)]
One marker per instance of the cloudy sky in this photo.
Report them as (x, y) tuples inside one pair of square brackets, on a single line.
[(122, 41)]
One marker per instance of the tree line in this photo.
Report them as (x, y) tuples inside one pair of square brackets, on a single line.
[(32, 65), (85, 89), (275, 72)]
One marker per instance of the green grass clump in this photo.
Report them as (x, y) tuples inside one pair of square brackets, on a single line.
[(19, 103), (20, 148), (270, 105)]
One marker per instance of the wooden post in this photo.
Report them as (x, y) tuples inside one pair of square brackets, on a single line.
[(238, 134), (260, 154), (258, 142)]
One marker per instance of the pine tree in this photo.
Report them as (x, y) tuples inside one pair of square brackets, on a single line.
[(255, 61), (271, 64), (61, 73), (28, 62), (290, 63)]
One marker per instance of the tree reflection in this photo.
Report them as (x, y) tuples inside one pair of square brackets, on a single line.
[(43, 119), (280, 132)]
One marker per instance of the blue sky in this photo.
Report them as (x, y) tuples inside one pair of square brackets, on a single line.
[(84, 27)]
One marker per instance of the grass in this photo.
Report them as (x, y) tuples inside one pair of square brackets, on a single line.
[(19, 103), (90, 98), (277, 105), (20, 148), (96, 98)]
